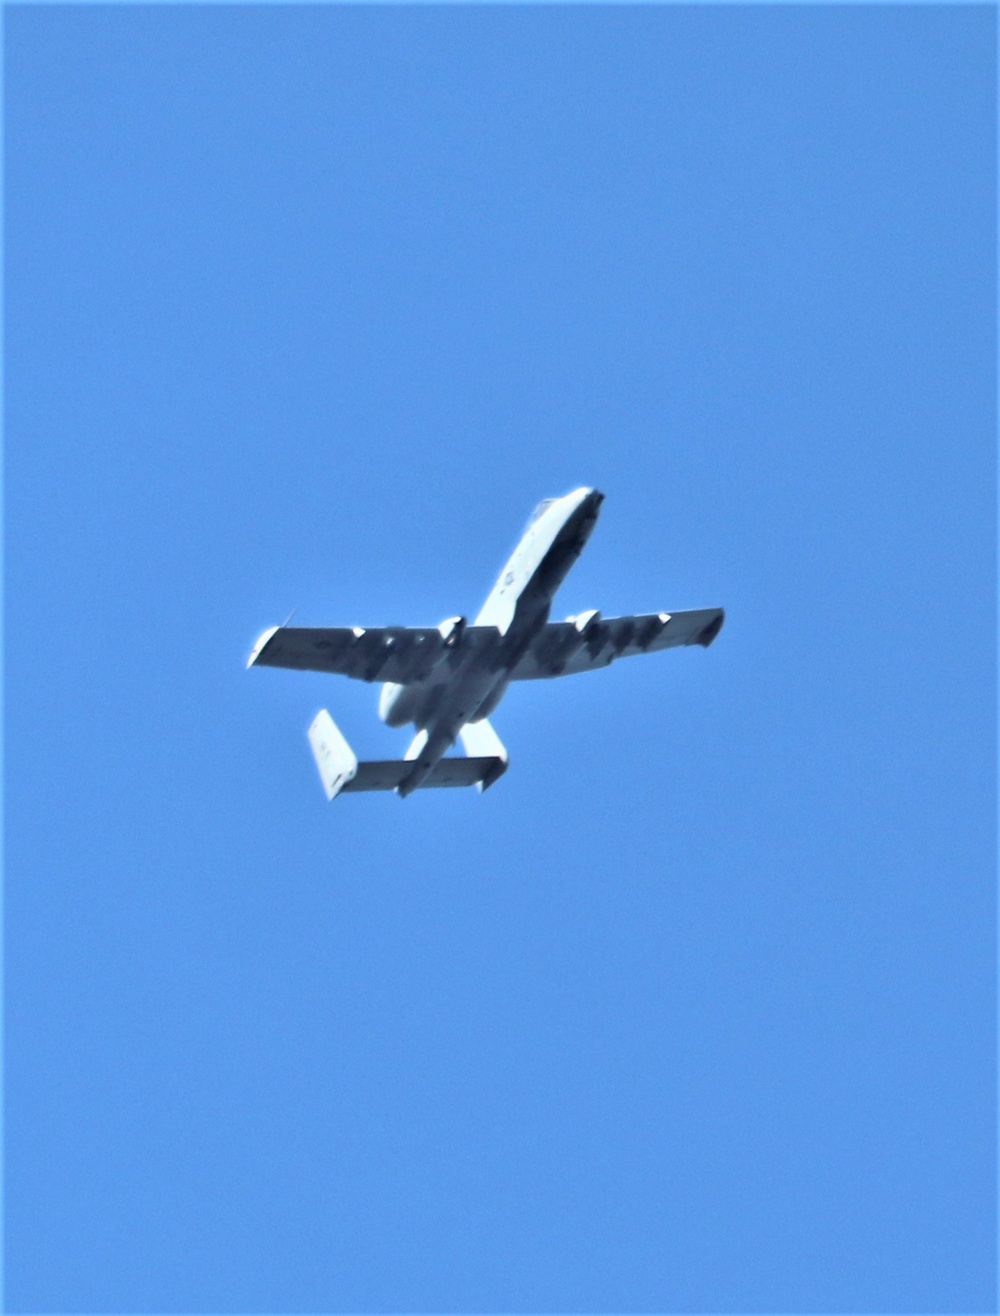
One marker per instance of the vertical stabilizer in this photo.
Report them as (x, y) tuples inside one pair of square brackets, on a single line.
[(479, 740), (337, 762)]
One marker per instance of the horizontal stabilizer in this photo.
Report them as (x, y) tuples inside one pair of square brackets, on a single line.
[(386, 774), (340, 770)]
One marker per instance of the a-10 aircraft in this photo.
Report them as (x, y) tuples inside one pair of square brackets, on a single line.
[(447, 679)]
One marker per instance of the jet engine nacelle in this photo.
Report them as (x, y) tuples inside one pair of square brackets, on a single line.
[(391, 704)]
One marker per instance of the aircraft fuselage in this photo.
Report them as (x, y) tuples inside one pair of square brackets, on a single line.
[(515, 611)]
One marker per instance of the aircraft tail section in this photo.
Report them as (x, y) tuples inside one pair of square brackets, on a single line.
[(340, 769), (337, 762)]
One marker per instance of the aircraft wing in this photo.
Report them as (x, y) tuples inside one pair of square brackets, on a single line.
[(590, 641), (402, 654)]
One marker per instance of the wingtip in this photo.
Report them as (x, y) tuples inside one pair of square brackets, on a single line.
[(712, 629), (261, 645)]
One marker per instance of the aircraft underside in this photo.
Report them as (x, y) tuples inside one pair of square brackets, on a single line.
[(446, 680)]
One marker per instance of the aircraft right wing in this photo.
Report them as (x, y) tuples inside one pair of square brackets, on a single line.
[(588, 642)]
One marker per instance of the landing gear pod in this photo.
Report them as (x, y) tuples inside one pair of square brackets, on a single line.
[(451, 630)]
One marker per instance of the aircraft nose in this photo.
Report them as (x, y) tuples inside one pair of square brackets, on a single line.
[(592, 497), (590, 501)]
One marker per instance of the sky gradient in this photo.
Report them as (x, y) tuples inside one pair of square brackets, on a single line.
[(307, 308)]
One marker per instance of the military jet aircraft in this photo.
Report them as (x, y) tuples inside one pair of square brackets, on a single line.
[(447, 679)]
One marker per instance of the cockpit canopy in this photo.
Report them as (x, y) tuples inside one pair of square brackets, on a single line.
[(542, 506)]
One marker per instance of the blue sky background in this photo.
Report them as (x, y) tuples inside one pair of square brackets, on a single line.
[(694, 1010)]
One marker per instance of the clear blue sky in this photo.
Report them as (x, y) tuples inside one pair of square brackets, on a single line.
[(694, 1011)]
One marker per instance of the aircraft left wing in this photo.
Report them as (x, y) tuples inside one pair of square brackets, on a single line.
[(587, 642), (401, 654)]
